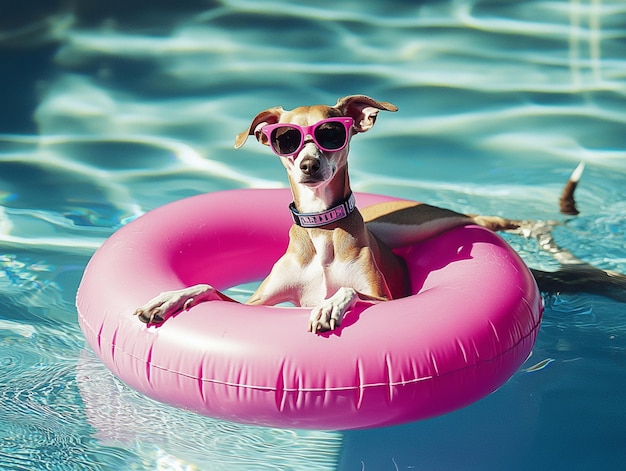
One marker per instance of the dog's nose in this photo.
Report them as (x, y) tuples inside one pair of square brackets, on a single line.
[(309, 166)]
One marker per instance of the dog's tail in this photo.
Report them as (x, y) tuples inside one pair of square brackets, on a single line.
[(567, 202), (574, 275)]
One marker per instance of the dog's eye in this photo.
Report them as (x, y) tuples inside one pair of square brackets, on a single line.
[(286, 140), (331, 135)]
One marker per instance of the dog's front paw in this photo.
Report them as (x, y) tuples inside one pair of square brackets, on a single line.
[(329, 314), (168, 303)]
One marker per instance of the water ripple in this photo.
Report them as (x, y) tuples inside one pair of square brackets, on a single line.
[(121, 415), (499, 101)]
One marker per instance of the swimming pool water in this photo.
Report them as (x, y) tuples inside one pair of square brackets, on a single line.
[(110, 109)]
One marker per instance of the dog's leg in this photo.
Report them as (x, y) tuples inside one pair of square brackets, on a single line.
[(574, 275), (329, 314), (168, 303), (402, 223), (405, 223)]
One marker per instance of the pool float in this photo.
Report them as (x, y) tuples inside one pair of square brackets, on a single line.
[(470, 323)]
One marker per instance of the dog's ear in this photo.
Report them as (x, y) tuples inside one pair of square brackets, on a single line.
[(270, 116), (363, 110)]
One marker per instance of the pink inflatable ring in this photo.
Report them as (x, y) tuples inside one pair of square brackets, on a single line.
[(470, 324)]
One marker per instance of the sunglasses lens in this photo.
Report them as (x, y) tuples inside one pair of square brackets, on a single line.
[(331, 136), (285, 140)]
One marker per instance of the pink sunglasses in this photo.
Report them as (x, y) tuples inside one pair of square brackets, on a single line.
[(330, 135)]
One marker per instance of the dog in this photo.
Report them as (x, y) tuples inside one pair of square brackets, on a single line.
[(338, 254)]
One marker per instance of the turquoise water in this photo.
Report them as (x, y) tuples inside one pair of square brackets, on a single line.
[(110, 110)]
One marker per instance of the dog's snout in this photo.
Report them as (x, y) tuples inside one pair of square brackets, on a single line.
[(310, 166)]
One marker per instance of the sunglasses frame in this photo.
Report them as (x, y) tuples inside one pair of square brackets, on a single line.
[(308, 131)]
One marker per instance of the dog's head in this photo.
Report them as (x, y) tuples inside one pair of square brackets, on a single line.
[(316, 144)]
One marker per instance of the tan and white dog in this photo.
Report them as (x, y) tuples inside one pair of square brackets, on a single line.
[(336, 254)]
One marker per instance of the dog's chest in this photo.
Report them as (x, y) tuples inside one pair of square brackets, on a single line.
[(326, 273), (324, 250)]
